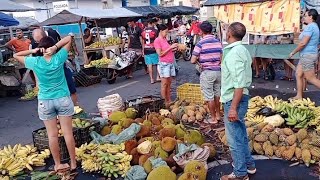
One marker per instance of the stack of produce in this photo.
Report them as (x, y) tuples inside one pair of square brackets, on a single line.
[(189, 112), (80, 123), (108, 159), (194, 170), (264, 139), (43, 132), (298, 113), (100, 63), (112, 41), (31, 94), (14, 160)]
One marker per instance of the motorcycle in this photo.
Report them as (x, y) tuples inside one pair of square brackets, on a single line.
[(188, 41)]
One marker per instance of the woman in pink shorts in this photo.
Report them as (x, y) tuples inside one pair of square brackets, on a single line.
[(166, 67)]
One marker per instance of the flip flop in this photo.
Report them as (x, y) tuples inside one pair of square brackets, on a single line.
[(153, 82)]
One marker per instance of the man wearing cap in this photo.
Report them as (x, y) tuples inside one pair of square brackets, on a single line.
[(208, 53)]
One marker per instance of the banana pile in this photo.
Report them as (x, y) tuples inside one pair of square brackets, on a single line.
[(108, 159), (14, 160), (112, 41), (297, 117), (101, 62)]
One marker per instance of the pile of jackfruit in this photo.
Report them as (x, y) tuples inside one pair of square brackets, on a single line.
[(158, 137), (264, 139)]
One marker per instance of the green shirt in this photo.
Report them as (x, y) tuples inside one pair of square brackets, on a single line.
[(235, 70), (50, 74)]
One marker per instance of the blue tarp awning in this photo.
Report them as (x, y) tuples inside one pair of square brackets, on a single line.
[(6, 20)]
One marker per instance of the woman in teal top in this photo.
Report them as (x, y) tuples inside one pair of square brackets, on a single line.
[(308, 48), (54, 96)]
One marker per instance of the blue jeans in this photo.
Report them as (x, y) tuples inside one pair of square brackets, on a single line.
[(237, 138)]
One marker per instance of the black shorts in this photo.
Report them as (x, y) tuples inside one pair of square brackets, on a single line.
[(70, 82)]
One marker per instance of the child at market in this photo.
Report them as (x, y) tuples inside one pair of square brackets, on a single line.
[(54, 96)]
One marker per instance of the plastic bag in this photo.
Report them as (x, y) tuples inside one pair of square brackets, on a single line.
[(124, 136), (136, 173), (101, 120), (183, 149), (266, 112), (157, 162)]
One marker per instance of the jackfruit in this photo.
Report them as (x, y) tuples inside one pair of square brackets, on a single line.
[(199, 116), (145, 139), (213, 151), (297, 153), (260, 126), (202, 110), (190, 108), (138, 120), (291, 139), (147, 166), (131, 113), (287, 131), (267, 128), (180, 131), (135, 156), (160, 153), (282, 138), (130, 144), (145, 147), (305, 146), (257, 147), (143, 159), (167, 132), (168, 126), (174, 111), (147, 123), (116, 129), (279, 151), (288, 153), (197, 168), (306, 157), (167, 121), (250, 133), (144, 131), (188, 176), (116, 116), (191, 119), (126, 122), (105, 130), (168, 144), (155, 121), (302, 134), (185, 117), (315, 152), (274, 139), (315, 142), (162, 172), (194, 137), (261, 138), (268, 149)]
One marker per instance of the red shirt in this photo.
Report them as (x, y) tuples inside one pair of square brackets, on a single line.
[(149, 35), (20, 44), (195, 28)]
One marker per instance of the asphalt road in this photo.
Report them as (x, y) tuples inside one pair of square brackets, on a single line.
[(19, 119)]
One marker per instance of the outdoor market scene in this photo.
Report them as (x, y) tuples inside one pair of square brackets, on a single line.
[(159, 89)]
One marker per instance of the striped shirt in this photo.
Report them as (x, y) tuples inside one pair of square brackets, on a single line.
[(209, 51)]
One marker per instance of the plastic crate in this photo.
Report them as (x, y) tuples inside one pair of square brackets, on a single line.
[(151, 103), (83, 79), (84, 133), (191, 92), (41, 142)]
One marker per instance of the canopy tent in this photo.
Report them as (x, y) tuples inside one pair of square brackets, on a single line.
[(312, 4), (224, 2), (104, 17), (9, 6), (164, 12), (7, 20), (23, 22)]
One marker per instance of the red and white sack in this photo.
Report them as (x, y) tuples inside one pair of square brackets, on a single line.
[(108, 104)]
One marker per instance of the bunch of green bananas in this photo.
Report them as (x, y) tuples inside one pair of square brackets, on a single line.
[(114, 165), (297, 117), (14, 160), (101, 62)]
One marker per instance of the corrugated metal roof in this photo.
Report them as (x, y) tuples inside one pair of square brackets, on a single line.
[(221, 2)]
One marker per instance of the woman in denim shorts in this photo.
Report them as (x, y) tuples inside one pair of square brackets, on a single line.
[(166, 66), (308, 48), (54, 96)]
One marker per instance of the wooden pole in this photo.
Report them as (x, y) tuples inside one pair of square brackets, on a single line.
[(99, 38), (81, 33)]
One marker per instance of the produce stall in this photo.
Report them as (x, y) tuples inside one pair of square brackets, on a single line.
[(102, 17), (262, 17)]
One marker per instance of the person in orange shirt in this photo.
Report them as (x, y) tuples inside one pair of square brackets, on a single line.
[(20, 43)]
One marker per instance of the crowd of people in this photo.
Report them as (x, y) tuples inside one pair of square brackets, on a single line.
[(226, 75)]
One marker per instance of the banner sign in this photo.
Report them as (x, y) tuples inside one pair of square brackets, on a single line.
[(60, 6), (265, 18)]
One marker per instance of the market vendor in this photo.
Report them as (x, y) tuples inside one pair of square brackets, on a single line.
[(88, 40), (18, 44), (135, 42)]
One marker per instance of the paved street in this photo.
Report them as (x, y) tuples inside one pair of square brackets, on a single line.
[(19, 119)]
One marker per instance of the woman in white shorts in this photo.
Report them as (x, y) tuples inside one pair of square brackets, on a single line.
[(308, 48), (54, 96), (166, 66)]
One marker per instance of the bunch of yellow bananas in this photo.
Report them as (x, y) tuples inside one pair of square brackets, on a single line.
[(255, 104), (101, 62), (109, 159), (15, 159), (256, 119)]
